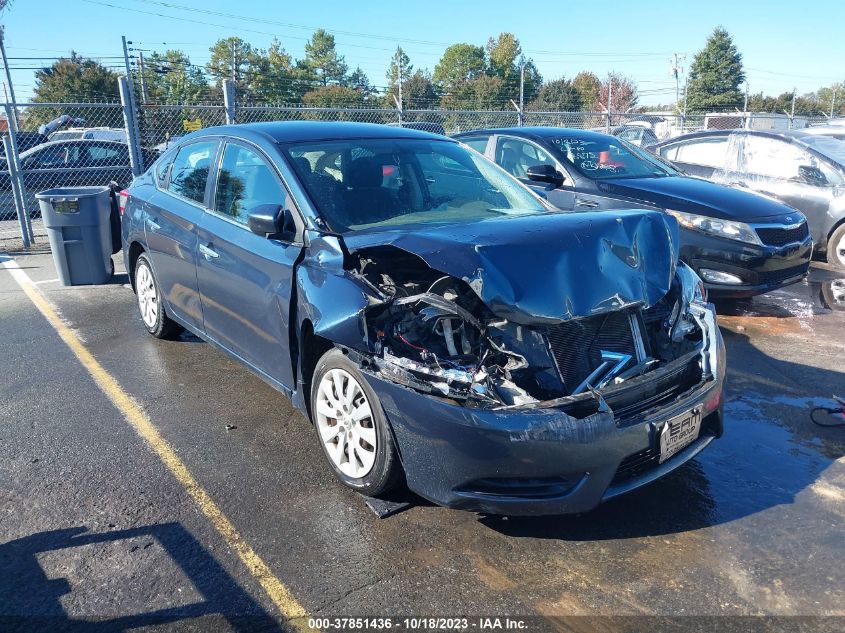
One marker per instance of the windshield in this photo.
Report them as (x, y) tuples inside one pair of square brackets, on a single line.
[(365, 183), (609, 158)]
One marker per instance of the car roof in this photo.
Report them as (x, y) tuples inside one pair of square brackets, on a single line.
[(538, 132), (298, 131)]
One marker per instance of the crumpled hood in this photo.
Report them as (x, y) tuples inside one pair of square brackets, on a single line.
[(694, 195), (547, 268)]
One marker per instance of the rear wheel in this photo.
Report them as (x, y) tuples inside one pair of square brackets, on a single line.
[(836, 248), (153, 314), (352, 428)]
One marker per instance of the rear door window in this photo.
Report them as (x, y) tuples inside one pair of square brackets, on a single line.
[(711, 152), (189, 174), (478, 143)]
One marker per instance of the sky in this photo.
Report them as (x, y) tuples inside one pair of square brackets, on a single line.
[(784, 44)]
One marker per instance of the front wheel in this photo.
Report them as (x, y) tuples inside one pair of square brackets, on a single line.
[(352, 428), (153, 314), (836, 248)]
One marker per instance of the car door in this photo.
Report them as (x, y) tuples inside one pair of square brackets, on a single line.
[(515, 155), (704, 157), (106, 162), (245, 279), (779, 168), (49, 167), (171, 217)]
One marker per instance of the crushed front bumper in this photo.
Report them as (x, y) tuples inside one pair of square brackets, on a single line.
[(546, 459)]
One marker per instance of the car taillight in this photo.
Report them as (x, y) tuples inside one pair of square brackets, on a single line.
[(123, 199)]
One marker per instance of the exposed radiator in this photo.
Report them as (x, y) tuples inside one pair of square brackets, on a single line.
[(577, 345)]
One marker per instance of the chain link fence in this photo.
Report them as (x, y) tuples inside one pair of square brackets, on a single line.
[(75, 144)]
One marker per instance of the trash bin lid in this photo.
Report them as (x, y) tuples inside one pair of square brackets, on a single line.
[(71, 193)]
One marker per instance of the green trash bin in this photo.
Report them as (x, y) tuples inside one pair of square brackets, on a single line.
[(78, 226)]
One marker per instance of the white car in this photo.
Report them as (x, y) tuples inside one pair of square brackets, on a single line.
[(94, 133)]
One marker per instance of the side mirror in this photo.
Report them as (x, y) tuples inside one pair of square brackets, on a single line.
[(545, 173), (270, 220), (812, 176)]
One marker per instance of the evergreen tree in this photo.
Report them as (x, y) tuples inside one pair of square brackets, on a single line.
[(716, 75), (322, 59)]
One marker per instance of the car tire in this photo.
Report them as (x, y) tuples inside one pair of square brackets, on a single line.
[(153, 313), (836, 248), (352, 428)]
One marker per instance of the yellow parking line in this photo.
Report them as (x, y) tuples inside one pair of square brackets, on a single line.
[(134, 414)]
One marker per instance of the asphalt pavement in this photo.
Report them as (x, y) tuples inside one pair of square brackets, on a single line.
[(98, 531)]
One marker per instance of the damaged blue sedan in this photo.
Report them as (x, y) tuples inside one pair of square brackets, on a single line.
[(439, 323)]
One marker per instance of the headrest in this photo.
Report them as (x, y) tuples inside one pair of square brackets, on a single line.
[(364, 172), (302, 165)]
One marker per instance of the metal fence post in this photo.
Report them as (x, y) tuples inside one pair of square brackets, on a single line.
[(229, 101), (15, 173), (13, 178), (132, 135)]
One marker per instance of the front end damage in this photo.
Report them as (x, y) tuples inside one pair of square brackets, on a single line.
[(527, 415)]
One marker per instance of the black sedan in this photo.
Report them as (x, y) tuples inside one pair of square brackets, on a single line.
[(436, 320), (739, 243), (803, 168), (71, 163)]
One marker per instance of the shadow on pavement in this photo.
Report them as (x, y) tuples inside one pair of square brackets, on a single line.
[(30, 601)]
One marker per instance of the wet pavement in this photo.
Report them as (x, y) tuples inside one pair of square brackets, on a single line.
[(94, 527)]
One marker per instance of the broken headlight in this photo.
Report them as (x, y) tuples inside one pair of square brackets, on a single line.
[(728, 229)]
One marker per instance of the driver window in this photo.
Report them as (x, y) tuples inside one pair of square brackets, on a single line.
[(711, 152), (245, 181), (774, 159), (515, 156)]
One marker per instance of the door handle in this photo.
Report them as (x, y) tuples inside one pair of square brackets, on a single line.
[(152, 224), (208, 253), (587, 204)]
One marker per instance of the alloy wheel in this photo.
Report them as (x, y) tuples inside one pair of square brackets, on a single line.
[(147, 296), (345, 423)]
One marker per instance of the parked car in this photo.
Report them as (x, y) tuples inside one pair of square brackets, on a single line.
[(68, 164), (90, 133), (25, 141), (800, 168), (636, 135), (739, 243), (447, 327), (833, 131), (425, 126)]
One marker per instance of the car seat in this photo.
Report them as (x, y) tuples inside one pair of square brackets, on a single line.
[(366, 200)]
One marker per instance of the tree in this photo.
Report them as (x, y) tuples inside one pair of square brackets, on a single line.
[(399, 60), (170, 78), (506, 61), (359, 81), (68, 80), (588, 87), (479, 93), (623, 97), (557, 95), (75, 78), (322, 59), (716, 75), (419, 92), (459, 64), (233, 58), (333, 96), (278, 78), (826, 102)]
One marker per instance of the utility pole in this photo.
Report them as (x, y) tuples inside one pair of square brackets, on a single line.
[(522, 95), (832, 99), (131, 123), (16, 122), (143, 79), (747, 119), (684, 114), (609, 100), (677, 69), (399, 81), (234, 63)]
